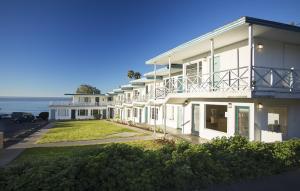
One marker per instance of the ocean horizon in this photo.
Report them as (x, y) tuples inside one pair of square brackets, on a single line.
[(34, 105)]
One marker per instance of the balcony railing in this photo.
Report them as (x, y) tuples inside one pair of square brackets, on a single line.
[(76, 104), (233, 80), (141, 98)]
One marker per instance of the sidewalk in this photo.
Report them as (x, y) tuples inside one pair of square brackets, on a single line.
[(10, 153)]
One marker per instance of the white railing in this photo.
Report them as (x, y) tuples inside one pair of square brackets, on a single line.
[(276, 79), (236, 79), (141, 98), (77, 104)]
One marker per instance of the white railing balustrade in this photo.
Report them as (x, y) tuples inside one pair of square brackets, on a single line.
[(276, 79), (77, 104), (141, 98), (233, 80)]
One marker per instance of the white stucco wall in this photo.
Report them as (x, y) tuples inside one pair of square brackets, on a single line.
[(209, 133)]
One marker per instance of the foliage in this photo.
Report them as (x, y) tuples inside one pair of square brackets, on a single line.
[(180, 166), (83, 130), (130, 74), (87, 89), (137, 75), (44, 115)]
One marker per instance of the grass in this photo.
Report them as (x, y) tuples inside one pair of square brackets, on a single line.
[(51, 153), (84, 130)]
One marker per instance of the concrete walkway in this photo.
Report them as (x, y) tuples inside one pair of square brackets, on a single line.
[(10, 153)]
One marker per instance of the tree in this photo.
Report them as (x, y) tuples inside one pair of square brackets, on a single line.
[(130, 74), (137, 75), (87, 89)]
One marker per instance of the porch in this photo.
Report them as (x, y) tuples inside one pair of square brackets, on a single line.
[(236, 82), (177, 133)]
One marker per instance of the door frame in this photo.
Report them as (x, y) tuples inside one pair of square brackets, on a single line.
[(192, 124), (73, 111), (236, 128)]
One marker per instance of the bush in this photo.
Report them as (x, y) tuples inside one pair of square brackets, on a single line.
[(180, 166), (44, 115)]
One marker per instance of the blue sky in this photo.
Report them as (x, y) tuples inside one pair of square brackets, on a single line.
[(49, 47)]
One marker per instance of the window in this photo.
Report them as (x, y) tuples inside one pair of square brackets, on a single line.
[(135, 112), (215, 117), (63, 112), (171, 113), (277, 119), (128, 113), (154, 113), (146, 89), (95, 112), (82, 112), (86, 99)]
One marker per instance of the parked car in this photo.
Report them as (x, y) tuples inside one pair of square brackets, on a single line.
[(20, 117), (5, 116)]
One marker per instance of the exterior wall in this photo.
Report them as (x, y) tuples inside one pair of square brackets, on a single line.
[(210, 133), (277, 54), (231, 56), (102, 99), (69, 109), (261, 121), (159, 120), (172, 115)]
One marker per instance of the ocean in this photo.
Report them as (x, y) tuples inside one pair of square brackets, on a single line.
[(33, 105)]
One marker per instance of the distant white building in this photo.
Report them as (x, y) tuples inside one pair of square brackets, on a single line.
[(82, 106)]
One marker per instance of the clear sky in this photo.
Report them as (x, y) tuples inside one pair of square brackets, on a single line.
[(49, 47)]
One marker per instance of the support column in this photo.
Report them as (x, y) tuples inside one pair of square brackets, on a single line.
[(250, 45), (212, 61), (169, 74), (154, 131), (165, 119)]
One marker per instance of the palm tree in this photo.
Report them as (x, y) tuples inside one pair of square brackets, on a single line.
[(137, 75), (130, 74)]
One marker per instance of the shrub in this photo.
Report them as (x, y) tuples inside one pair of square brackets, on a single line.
[(180, 166), (44, 115)]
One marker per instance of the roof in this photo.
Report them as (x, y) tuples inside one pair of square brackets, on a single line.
[(243, 21), (118, 90), (140, 81), (163, 72), (72, 94)]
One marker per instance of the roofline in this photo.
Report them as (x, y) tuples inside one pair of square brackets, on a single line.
[(227, 27), (84, 94), (208, 35), (272, 24)]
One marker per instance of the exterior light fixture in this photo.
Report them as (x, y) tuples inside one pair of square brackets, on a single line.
[(260, 106), (260, 46), (186, 102), (229, 105)]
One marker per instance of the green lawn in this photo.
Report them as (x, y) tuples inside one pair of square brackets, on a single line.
[(84, 130), (51, 153)]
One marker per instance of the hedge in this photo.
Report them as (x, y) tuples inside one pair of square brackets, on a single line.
[(181, 166)]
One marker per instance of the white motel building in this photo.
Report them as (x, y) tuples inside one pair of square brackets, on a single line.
[(240, 79)]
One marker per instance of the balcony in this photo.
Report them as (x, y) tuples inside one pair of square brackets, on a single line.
[(77, 104), (263, 81), (141, 98)]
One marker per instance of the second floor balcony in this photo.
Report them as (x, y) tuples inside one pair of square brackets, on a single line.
[(76, 104), (258, 80)]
